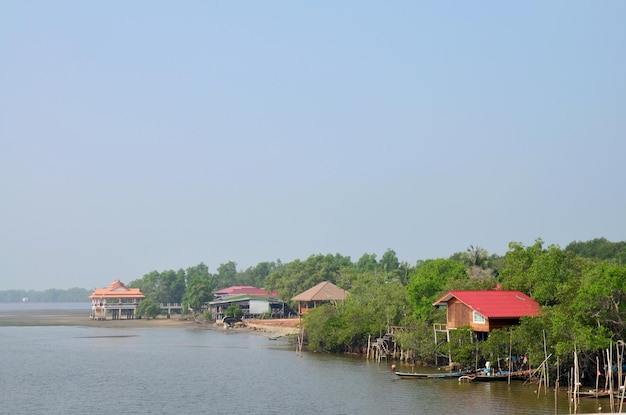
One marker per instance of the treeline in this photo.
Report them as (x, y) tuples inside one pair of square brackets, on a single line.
[(581, 288), (195, 285), (47, 296)]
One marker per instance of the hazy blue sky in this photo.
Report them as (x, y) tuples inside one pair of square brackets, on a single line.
[(153, 135)]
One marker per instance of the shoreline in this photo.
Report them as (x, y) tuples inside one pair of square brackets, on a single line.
[(80, 318)]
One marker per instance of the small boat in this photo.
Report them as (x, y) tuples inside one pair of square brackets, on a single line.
[(441, 375), (598, 393), (489, 375), (593, 393)]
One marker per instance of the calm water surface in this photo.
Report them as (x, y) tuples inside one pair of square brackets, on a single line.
[(72, 370)]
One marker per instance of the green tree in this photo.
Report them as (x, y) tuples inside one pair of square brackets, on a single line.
[(475, 256), (162, 287), (148, 284), (389, 261), (255, 276), (367, 262), (298, 276), (233, 311), (496, 348), (148, 309), (200, 287), (541, 273), (171, 287), (600, 249), (373, 305), (430, 280), (226, 275), (462, 346), (418, 338), (601, 300), (518, 261), (327, 329)]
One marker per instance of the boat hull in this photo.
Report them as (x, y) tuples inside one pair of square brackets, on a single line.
[(445, 375), (481, 376)]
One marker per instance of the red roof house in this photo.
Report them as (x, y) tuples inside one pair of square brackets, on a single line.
[(485, 311)]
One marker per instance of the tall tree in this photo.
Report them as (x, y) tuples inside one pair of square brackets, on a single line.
[(367, 262), (298, 276), (601, 299), (518, 261), (430, 280), (200, 287), (540, 273), (600, 249), (475, 256), (256, 275), (389, 261), (226, 274)]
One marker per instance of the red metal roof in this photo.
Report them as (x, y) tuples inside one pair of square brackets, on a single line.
[(495, 303), (244, 289)]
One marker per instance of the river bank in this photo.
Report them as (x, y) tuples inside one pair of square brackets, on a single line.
[(56, 317)]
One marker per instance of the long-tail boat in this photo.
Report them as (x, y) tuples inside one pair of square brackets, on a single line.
[(435, 375)]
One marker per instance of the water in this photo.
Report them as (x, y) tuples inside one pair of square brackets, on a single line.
[(72, 370)]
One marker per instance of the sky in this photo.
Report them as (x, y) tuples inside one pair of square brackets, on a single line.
[(155, 135)]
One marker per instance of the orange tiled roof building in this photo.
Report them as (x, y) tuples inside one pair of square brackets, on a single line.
[(116, 301)]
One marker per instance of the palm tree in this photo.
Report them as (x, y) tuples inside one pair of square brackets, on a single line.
[(475, 256)]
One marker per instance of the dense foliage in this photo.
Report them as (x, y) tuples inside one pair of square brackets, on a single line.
[(583, 300), (599, 249), (148, 309), (582, 291)]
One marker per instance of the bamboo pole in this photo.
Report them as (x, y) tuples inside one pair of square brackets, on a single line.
[(542, 370), (300, 342), (545, 354), (622, 390), (610, 376), (597, 374), (618, 364), (576, 385), (570, 390), (510, 353), (556, 388)]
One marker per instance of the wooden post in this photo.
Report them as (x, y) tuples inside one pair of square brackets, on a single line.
[(510, 353), (545, 355)]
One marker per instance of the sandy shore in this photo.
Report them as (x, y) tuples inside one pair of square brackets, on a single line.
[(269, 328), (275, 327)]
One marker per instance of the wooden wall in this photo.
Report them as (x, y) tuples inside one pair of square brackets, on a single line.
[(459, 314), (499, 323)]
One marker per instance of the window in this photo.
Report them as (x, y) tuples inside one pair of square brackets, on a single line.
[(478, 318)]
